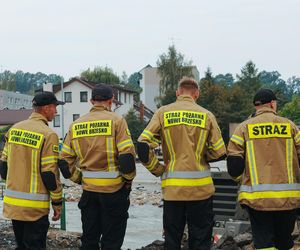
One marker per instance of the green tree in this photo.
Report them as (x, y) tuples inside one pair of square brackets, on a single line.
[(213, 96), (226, 79), (8, 81), (101, 75), (273, 81), (171, 68), (291, 110), (135, 125), (249, 79), (134, 84)]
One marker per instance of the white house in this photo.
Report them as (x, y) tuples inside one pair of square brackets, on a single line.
[(77, 94), (150, 85), (14, 100)]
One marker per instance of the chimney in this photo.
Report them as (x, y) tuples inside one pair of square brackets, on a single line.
[(48, 86)]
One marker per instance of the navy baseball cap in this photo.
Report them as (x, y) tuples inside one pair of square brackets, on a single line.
[(263, 96), (45, 98), (102, 92)]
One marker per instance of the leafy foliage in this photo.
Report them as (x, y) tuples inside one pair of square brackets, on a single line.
[(171, 68), (135, 125), (25, 82), (291, 109), (101, 75)]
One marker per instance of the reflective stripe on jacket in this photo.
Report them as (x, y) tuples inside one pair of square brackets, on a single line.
[(270, 145)]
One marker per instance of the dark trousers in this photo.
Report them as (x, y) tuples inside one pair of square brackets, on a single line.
[(31, 234), (272, 228), (104, 215), (199, 217)]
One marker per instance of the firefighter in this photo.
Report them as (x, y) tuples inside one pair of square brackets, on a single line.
[(263, 155), (29, 166), (99, 153), (190, 138)]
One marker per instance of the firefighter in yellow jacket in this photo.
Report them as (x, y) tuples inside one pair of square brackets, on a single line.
[(263, 154), (29, 166), (190, 139), (99, 146)]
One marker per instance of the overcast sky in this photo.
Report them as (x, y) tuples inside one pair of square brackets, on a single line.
[(68, 36)]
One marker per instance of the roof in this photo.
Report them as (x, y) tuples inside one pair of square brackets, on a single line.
[(12, 116), (91, 84)]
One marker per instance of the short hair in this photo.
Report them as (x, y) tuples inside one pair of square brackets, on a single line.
[(188, 83)]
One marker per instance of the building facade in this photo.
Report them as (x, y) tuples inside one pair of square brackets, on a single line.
[(77, 94), (150, 85), (14, 100)]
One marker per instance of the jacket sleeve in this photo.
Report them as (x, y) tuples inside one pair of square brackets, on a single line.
[(216, 149), (68, 154), (3, 161), (236, 154), (151, 136), (49, 168), (126, 152), (296, 133)]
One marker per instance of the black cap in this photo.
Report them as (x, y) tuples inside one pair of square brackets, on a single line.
[(45, 98), (102, 92), (263, 96)]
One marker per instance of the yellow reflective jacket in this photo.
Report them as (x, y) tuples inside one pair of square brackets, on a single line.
[(190, 138), (93, 144), (31, 148), (270, 145)]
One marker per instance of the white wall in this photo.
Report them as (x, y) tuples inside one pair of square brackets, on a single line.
[(81, 108), (150, 85)]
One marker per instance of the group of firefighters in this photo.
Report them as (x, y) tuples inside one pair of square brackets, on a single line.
[(98, 153)]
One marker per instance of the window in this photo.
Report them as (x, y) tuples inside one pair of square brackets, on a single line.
[(83, 96), (125, 97), (119, 96), (75, 116), (68, 96), (56, 121)]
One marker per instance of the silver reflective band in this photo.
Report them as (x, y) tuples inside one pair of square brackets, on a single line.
[(27, 196), (269, 187), (186, 175), (99, 174)]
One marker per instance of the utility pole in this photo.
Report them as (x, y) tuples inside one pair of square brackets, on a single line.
[(62, 109)]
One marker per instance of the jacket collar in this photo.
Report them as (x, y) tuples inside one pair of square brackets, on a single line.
[(185, 98), (99, 107), (38, 117), (265, 110)]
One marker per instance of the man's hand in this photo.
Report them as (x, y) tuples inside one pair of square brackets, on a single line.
[(57, 212)]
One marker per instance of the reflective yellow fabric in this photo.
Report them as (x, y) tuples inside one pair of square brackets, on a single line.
[(269, 194), (26, 203), (92, 128), (269, 130), (103, 182), (187, 182)]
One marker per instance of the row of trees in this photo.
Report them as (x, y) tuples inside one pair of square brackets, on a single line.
[(25, 82)]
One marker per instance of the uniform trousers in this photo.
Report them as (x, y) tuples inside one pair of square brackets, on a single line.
[(104, 219), (31, 235), (199, 218), (272, 229)]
